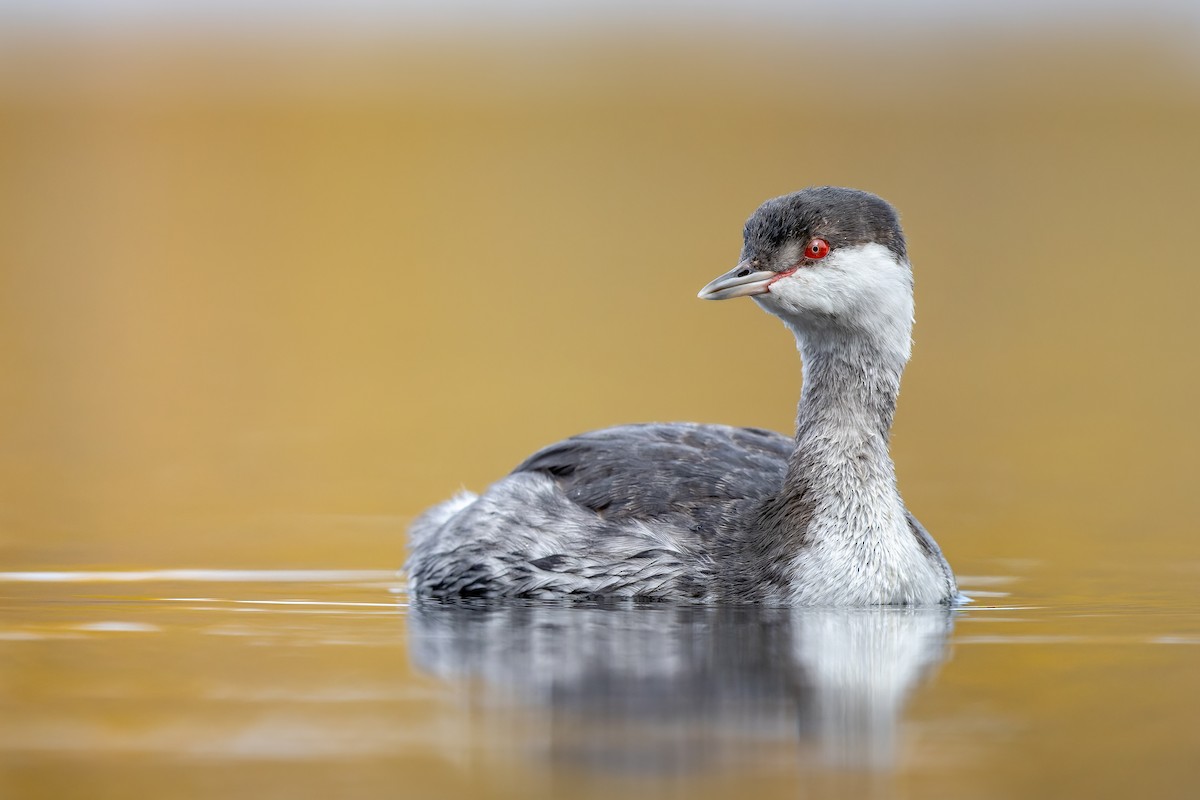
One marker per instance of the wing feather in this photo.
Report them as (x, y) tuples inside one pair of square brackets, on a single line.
[(658, 470)]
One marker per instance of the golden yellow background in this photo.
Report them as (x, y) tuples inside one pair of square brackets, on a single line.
[(265, 300)]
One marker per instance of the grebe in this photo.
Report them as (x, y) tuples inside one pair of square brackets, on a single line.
[(716, 514)]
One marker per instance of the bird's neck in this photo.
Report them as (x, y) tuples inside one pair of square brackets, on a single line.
[(840, 475), (846, 534), (849, 391)]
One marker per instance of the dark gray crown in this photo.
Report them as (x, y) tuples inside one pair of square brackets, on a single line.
[(843, 217)]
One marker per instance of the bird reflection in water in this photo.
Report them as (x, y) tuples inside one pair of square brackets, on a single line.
[(668, 689)]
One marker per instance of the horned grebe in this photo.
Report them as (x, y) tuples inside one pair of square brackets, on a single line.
[(716, 514)]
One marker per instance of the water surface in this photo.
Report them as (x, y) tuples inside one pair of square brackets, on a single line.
[(330, 683)]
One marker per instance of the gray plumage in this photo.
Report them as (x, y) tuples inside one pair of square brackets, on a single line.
[(710, 513)]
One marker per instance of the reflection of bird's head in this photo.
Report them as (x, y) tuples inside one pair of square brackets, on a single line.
[(826, 260)]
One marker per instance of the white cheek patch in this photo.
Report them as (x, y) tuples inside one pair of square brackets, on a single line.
[(868, 273), (821, 298), (866, 286)]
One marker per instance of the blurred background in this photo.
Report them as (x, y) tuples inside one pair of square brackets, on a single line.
[(274, 277)]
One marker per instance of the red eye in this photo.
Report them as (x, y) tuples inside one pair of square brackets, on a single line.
[(817, 248)]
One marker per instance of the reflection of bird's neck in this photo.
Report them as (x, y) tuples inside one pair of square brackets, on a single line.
[(863, 666)]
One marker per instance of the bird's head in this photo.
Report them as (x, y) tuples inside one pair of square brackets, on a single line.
[(830, 263)]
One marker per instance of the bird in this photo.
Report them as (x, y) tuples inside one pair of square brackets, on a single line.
[(714, 514)]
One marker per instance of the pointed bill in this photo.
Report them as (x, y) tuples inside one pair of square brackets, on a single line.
[(741, 281)]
